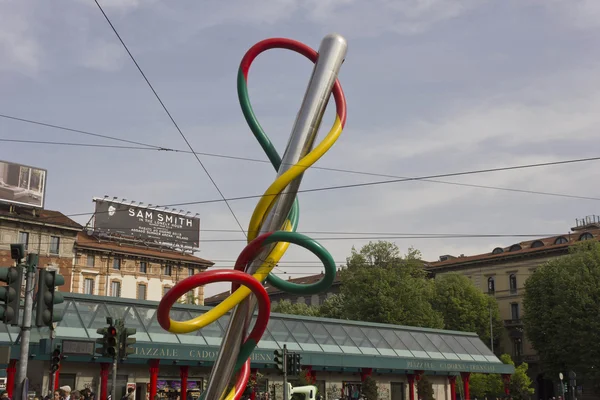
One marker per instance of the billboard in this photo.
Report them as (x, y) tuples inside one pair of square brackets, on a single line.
[(146, 223), (22, 184)]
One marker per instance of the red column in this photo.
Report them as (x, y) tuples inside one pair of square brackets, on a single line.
[(465, 377), (411, 386), (313, 376), (452, 380), (183, 373), (153, 377), (364, 372), (57, 378), (104, 368), (11, 374), (253, 379), (506, 379)]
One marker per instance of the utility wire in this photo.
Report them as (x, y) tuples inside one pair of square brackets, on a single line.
[(158, 148), (170, 116)]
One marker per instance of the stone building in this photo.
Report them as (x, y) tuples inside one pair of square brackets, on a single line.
[(48, 233), (502, 273), (112, 268)]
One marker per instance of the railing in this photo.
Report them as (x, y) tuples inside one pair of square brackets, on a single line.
[(512, 323)]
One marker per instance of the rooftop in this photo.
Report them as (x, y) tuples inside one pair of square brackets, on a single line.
[(533, 247), (40, 217), (85, 241), (323, 343)]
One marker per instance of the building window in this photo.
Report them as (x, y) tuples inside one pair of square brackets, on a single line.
[(536, 244), (560, 240), (115, 289), (512, 280), (24, 239), (141, 292), (491, 285), (167, 269), (91, 260), (498, 250), (586, 236), (517, 348), (190, 271), (88, 286), (54, 244), (143, 267), (514, 311), (116, 263), (165, 290), (515, 247)]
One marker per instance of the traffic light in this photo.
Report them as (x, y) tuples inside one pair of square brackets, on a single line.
[(279, 362), (126, 343), (10, 295), (291, 368), (297, 365), (55, 362), (112, 341), (47, 297), (102, 341)]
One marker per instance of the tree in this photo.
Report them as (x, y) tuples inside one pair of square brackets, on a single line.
[(286, 307), (369, 388), (425, 389), (379, 285), (465, 308), (486, 386), (520, 383), (332, 307), (561, 317)]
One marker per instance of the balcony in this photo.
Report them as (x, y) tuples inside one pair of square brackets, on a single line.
[(513, 323)]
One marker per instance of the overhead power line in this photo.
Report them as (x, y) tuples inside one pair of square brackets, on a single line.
[(249, 159), (169, 114)]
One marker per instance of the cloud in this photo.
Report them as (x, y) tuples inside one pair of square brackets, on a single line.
[(102, 55), (19, 50)]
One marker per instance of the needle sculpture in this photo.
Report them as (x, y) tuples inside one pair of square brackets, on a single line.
[(273, 224)]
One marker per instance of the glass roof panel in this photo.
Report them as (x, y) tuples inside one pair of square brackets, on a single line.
[(87, 311), (427, 345), (379, 343), (458, 349), (117, 311), (442, 346), (480, 346), (156, 332), (361, 340), (71, 326), (266, 341), (398, 345), (412, 344), (472, 350), (322, 337), (303, 336), (342, 339), (282, 334), (132, 320)]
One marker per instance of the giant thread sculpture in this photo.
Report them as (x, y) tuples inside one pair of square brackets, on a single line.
[(274, 221)]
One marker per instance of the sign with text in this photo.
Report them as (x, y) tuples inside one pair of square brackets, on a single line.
[(146, 223), (22, 184)]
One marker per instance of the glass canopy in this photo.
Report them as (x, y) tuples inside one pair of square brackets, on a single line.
[(83, 314)]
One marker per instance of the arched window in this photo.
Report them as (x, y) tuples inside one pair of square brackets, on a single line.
[(498, 250), (586, 236), (536, 244), (512, 282), (515, 247), (491, 285), (560, 240)]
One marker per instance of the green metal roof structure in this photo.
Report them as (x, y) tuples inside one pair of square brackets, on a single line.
[(326, 344)]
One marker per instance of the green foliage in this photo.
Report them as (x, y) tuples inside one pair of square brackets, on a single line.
[(465, 307), (425, 389), (561, 315), (369, 388), (486, 385), (381, 286), (332, 307), (286, 307), (520, 383)]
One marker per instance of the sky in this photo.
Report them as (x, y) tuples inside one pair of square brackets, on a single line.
[(432, 87)]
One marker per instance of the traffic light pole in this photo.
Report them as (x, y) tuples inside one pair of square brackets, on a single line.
[(113, 392), (32, 260), (285, 367)]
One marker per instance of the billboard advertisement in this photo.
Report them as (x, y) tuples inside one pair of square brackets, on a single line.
[(146, 223), (22, 184)]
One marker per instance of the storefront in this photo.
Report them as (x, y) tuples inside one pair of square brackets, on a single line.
[(338, 354)]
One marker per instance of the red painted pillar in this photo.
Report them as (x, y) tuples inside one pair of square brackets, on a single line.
[(11, 374), (253, 379), (452, 380), (153, 377), (506, 379), (57, 378), (364, 372), (313, 376), (104, 368), (465, 377), (183, 373), (411, 386)]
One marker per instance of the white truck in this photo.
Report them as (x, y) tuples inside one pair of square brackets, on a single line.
[(308, 392)]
